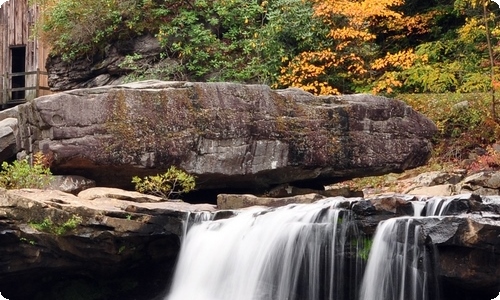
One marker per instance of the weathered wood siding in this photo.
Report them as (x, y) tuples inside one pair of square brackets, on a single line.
[(17, 18), (4, 48)]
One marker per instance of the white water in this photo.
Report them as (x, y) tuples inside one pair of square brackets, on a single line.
[(418, 207), (437, 206), (398, 267), (293, 252), (305, 252)]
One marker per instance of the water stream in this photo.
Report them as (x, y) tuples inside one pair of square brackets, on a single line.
[(304, 252)]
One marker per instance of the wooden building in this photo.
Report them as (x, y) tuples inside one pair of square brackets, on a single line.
[(22, 57)]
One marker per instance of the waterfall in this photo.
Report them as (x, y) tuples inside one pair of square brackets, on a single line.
[(306, 252), (437, 206), (398, 266), (301, 252)]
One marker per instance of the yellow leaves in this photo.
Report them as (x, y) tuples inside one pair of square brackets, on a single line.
[(309, 70), (304, 70), (387, 83), (472, 30), (402, 59)]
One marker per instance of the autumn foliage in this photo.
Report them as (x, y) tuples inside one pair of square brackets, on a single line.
[(352, 28), (322, 46)]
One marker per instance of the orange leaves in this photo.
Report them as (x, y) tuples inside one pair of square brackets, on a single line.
[(304, 70), (311, 70), (351, 23), (402, 59), (418, 24), (357, 10), (356, 18), (496, 85)]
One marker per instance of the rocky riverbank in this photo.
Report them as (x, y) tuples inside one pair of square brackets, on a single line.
[(54, 243)]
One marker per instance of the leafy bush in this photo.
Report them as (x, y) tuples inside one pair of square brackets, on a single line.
[(21, 174), (172, 183), (464, 121)]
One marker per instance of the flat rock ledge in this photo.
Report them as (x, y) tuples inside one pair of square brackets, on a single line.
[(106, 238)]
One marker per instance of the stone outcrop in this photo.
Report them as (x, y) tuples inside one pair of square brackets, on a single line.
[(238, 201), (8, 142), (441, 183), (9, 134), (106, 241), (230, 136), (107, 68)]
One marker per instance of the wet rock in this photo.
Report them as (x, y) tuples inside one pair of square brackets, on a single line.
[(468, 251), (369, 213)]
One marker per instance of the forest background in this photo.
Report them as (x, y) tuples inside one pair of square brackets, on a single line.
[(439, 56)]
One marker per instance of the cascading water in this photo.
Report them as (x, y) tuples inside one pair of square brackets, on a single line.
[(398, 267), (302, 252), (306, 252), (399, 264), (437, 206)]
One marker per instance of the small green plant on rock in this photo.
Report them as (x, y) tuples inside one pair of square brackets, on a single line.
[(21, 174), (47, 225), (168, 185), (365, 246)]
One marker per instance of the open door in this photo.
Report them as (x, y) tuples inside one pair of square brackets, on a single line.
[(18, 55)]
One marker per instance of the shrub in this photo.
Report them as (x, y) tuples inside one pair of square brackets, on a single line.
[(172, 183), (21, 174)]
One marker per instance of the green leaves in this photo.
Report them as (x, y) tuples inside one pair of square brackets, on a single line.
[(172, 183), (47, 225), (20, 174)]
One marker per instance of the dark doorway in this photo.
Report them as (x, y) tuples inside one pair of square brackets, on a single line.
[(18, 66)]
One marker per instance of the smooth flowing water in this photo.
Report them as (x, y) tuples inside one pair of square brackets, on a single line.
[(302, 252), (398, 266), (305, 252)]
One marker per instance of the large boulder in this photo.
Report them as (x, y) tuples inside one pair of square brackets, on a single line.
[(228, 135)]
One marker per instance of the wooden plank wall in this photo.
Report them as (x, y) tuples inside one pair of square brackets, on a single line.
[(4, 49), (17, 19)]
